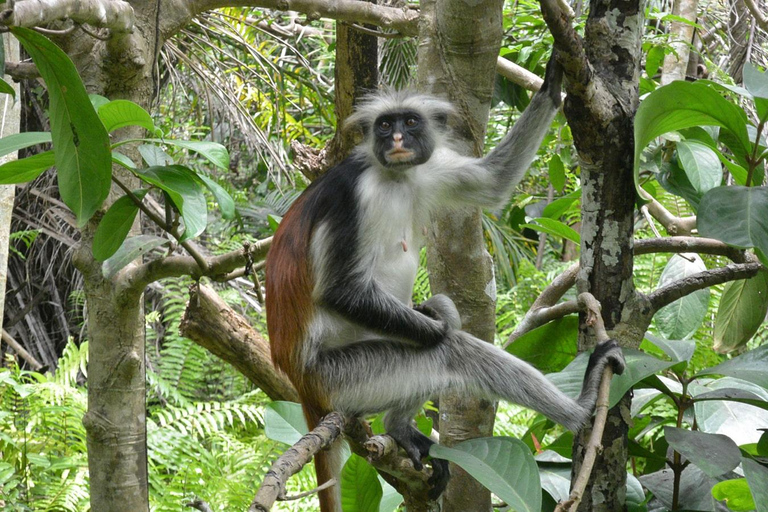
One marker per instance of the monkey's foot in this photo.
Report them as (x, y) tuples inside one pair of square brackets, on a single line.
[(439, 479)]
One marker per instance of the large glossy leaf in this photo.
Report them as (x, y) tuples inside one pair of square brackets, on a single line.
[(212, 151), (694, 491), (284, 422), (701, 165), (714, 454), (19, 141), (185, 192), (504, 465), (556, 172), (757, 85), (750, 366), (130, 250), (360, 487), (734, 395), (757, 476), (561, 205), (224, 200), (736, 419), (680, 319), (115, 225), (677, 350), (550, 347), (6, 88), (681, 105), (742, 310), (121, 113), (736, 216), (80, 142), (26, 169)]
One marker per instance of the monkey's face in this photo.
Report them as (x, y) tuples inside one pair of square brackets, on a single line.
[(402, 139)]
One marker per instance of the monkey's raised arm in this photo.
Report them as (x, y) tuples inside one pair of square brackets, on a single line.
[(488, 181)]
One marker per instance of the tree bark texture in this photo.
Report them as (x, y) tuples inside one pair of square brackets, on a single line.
[(458, 49), (10, 125), (603, 135), (681, 37), (356, 72)]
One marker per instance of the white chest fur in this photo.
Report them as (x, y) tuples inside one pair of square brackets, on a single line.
[(391, 232)]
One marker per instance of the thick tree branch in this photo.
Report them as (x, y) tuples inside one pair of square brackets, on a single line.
[(295, 458), (212, 324), (115, 15), (682, 287)]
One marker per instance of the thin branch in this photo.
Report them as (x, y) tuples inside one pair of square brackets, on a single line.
[(687, 285), (22, 71), (375, 33), (322, 487), (538, 317), (682, 244), (673, 224), (295, 458), (16, 346), (117, 15), (757, 13), (593, 446)]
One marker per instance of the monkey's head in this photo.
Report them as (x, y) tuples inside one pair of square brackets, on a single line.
[(401, 129)]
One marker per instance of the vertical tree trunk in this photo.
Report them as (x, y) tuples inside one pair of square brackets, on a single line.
[(10, 125), (681, 34), (603, 135), (458, 47)]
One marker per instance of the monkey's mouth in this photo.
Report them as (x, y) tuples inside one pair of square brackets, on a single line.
[(399, 155)]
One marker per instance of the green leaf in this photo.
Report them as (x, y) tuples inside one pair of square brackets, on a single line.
[(185, 192), (681, 105), (130, 250), (284, 422), (225, 201), (701, 165), (677, 350), (80, 142), (733, 395), (735, 493), (115, 225), (714, 454), (212, 151), (556, 172), (121, 113), (654, 59), (554, 227), (26, 169), (154, 155), (736, 215), (504, 465), (757, 476), (549, 347), (750, 366), (757, 85), (19, 141), (97, 100), (742, 309), (123, 160), (360, 487), (736, 418), (680, 319), (7, 88), (559, 206)]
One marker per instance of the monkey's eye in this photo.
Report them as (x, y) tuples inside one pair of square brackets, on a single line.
[(411, 121), (385, 125)]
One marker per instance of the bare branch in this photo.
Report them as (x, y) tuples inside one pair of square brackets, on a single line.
[(594, 444), (674, 225), (589, 304), (21, 71), (759, 15), (681, 244), (16, 346), (212, 324), (115, 15), (295, 458), (687, 285)]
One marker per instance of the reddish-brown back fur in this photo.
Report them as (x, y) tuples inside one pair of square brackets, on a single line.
[(289, 284)]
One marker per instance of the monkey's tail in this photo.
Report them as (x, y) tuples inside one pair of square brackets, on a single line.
[(327, 465)]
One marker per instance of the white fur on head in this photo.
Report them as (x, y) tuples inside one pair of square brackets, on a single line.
[(378, 103)]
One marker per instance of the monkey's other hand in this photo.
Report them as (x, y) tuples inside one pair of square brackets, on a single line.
[(441, 308), (439, 479), (611, 351)]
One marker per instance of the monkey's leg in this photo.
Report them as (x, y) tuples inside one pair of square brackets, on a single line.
[(416, 445)]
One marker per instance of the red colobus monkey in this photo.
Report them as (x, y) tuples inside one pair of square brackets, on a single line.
[(341, 270)]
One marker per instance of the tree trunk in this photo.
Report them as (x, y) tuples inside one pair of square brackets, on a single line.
[(603, 135), (681, 35), (10, 125), (458, 48)]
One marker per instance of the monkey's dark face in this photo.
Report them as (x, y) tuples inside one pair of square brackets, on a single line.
[(402, 139)]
